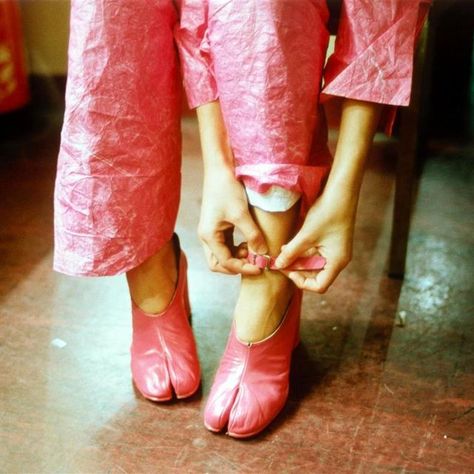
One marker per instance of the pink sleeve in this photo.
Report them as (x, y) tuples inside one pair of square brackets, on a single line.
[(193, 45), (375, 44)]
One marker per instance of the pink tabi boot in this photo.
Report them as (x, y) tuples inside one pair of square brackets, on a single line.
[(252, 381), (163, 352), (251, 384)]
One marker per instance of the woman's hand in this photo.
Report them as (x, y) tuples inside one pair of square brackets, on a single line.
[(327, 230), (329, 225), (224, 208), (224, 201)]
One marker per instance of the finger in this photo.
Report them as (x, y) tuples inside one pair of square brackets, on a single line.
[(304, 273), (253, 235), (218, 268), (310, 252), (213, 263), (229, 263), (318, 283), (295, 248), (296, 278), (304, 282), (326, 277), (240, 266)]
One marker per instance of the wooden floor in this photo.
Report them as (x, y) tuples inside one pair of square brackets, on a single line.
[(367, 395)]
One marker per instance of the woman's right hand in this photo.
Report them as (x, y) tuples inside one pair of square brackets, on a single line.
[(224, 201), (224, 208)]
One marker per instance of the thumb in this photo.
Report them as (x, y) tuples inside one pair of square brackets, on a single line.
[(253, 235), (295, 248)]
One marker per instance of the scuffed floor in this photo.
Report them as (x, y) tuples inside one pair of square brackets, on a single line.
[(367, 395)]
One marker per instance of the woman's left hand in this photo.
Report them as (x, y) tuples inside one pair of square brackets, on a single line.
[(329, 225), (327, 230), (224, 208)]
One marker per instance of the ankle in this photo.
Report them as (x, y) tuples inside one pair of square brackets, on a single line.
[(261, 305), (152, 283), (268, 279)]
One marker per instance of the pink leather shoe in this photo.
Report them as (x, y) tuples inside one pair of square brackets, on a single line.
[(163, 352), (252, 382)]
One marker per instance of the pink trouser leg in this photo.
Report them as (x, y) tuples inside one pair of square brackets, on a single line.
[(118, 179)]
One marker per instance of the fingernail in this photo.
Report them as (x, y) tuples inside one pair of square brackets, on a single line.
[(279, 262)]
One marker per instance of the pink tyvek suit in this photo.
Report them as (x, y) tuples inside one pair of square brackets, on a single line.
[(117, 187), (264, 60), (118, 179)]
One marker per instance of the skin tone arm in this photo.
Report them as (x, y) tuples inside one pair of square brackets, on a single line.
[(328, 228), (329, 224), (224, 202), (263, 296), (152, 283)]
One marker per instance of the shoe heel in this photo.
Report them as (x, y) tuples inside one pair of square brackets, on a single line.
[(297, 338), (187, 304)]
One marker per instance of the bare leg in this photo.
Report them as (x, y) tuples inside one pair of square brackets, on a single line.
[(153, 282), (264, 298)]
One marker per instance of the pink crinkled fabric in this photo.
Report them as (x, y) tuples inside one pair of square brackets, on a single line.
[(118, 178), (264, 60), (373, 57)]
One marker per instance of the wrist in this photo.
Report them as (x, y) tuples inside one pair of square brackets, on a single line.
[(218, 163), (218, 174), (342, 197), (345, 182), (344, 185)]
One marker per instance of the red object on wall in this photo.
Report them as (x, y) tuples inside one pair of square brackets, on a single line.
[(13, 78)]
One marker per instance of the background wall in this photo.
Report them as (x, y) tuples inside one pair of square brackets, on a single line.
[(45, 29)]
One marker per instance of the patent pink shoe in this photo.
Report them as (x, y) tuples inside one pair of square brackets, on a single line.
[(252, 382), (163, 352)]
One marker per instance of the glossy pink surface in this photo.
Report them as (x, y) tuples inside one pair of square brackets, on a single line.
[(252, 382), (164, 359), (366, 394)]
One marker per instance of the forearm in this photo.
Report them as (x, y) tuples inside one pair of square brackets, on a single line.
[(224, 202), (216, 149), (358, 125)]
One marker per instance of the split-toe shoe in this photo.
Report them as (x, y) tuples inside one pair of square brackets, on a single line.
[(164, 359), (252, 382)]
